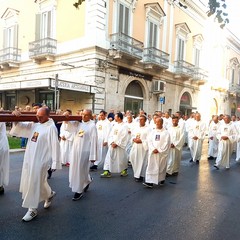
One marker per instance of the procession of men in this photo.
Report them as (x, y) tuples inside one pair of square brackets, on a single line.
[(111, 144)]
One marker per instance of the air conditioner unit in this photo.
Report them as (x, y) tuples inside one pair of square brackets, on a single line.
[(158, 86)]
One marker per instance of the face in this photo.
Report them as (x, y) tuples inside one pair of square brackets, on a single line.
[(197, 117), (41, 115), (215, 119), (129, 119), (35, 108), (159, 123), (175, 122), (102, 116), (142, 121), (86, 115), (226, 119)]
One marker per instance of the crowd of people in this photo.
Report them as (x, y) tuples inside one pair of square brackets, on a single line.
[(112, 142)]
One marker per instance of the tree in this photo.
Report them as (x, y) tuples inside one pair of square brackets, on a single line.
[(217, 8)]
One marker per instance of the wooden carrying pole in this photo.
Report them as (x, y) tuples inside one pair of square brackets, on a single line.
[(33, 118)]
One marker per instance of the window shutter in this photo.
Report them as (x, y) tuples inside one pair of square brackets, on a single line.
[(155, 35), (120, 20), (49, 24), (150, 34), (15, 36), (37, 26), (126, 27), (5, 37)]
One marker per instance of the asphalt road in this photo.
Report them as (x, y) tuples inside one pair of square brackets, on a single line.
[(201, 203)]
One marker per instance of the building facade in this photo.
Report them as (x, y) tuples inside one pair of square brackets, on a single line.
[(117, 54)]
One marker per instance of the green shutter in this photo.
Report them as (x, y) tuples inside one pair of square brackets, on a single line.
[(49, 24)]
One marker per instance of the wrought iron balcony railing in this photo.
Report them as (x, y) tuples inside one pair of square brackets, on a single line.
[(126, 44), (42, 47), (152, 55), (184, 68), (234, 88), (10, 55), (200, 74)]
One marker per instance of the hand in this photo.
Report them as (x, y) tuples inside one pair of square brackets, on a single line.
[(92, 161), (105, 144), (224, 138), (114, 145), (155, 151), (63, 138), (195, 138), (16, 113), (172, 145)]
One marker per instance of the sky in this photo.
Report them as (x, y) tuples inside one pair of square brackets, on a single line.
[(233, 10)]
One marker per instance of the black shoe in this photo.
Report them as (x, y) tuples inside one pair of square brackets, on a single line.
[(49, 173), (1, 190), (77, 196), (216, 166), (93, 168), (86, 188), (191, 160), (168, 175), (197, 161), (210, 158), (140, 179), (175, 174), (162, 182), (149, 185)]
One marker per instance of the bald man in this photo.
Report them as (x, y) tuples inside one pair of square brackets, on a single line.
[(42, 149)]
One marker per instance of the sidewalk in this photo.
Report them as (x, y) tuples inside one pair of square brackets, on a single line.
[(16, 150)]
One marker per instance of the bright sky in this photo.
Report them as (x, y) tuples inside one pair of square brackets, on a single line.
[(233, 7)]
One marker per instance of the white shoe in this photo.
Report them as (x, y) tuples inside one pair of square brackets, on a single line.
[(31, 214), (49, 200)]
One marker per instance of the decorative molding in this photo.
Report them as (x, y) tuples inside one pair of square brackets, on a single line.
[(182, 29), (155, 11), (134, 3)]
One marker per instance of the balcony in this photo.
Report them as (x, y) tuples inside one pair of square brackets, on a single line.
[(183, 69), (154, 57), (200, 75), (43, 49), (10, 57), (124, 45), (234, 89)]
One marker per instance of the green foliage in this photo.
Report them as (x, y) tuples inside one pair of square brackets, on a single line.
[(218, 8), (78, 3), (14, 142)]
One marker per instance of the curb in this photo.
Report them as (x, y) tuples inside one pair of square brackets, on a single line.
[(16, 150)]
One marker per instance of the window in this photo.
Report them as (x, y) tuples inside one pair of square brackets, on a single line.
[(123, 19), (152, 34), (10, 30), (232, 76), (182, 32), (197, 46), (180, 49), (154, 18), (44, 25)]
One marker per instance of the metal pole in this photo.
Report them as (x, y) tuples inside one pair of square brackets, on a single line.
[(55, 92)]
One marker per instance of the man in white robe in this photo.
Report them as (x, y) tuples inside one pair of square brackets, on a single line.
[(84, 152), (66, 144), (227, 136), (167, 121), (212, 135), (116, 159), (4, 158), (42, 149), (131, 125), (158, 147), (139, 152), (103, 130), (175, 153), (197, 133)]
